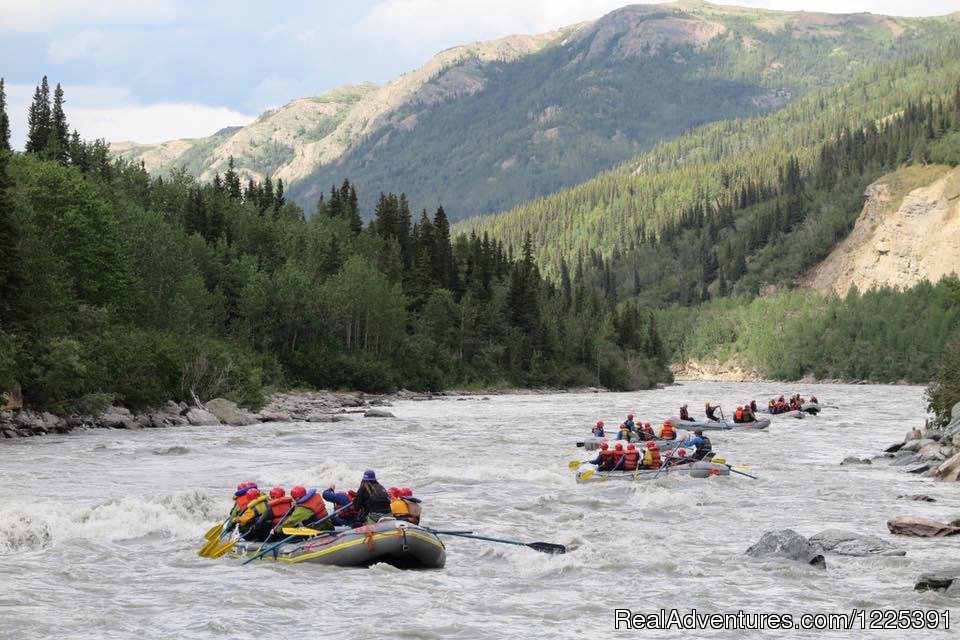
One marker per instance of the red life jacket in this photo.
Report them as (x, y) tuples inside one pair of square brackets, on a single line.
[(631, 459), (608, 459), (316, 504), (244, 500), (279, 508), (738, 415), (655, 460)]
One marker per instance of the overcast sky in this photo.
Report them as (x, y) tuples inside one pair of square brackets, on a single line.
[(153, 70)]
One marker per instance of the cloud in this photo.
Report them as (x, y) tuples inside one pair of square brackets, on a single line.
[(125, 118), (42, 16)]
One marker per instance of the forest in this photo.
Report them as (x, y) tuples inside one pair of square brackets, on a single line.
[(116, 286)]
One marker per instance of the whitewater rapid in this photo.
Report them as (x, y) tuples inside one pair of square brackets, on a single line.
[(101, 528)]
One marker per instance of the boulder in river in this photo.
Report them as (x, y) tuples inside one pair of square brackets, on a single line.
[(854, 460), (228, 412), (273, 416), (921, 467), (848, 543), (919, 497), (949, 470), (117, 418), (787, 543), (938, 579), (896, 446), (327, 417), (920, 527), (198, 417), (377, 413), (913, 434)]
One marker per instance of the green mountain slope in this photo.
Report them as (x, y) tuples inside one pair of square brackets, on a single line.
[(486, 126), (713, 211)]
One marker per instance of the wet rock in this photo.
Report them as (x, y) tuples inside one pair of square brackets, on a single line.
[(787, 543), (903, 460), (932, 434), (919, 497), (199, 417), (854, 460), (894, 447), (327, 417), (920, 527), (9, 433), (938, 579), (377, 413), (273, 416), (929, 451), (116, 418), (921, 467), (913, 434), (949, 470), (350, 401), (227, 412), (171, 408), (848, 543)]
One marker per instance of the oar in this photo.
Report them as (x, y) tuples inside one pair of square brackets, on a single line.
[(575, 464), (666, 461), (586, 474), (304, 531), (730, 466), (216, 530), (542, 547), (223, 549), (262, 552)]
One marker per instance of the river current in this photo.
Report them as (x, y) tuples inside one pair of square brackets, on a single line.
[(100, 529)]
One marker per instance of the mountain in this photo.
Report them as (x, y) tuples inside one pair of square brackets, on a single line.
[(483, 127)]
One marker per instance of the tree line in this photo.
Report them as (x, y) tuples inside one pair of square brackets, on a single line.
[(116, 286)]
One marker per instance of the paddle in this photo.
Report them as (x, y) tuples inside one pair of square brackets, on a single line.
[(262, 551), (575, 464), (580, 444), (223, 549), (542, 547), (666, 461), (216, 530), (586, 474), (730, 466)]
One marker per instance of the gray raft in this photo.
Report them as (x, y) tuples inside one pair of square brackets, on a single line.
[(721, 425), (700, 469), (394, 542)]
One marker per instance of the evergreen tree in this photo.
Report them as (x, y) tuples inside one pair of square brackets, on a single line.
[(38, 119), (4, 121), (9, 276), (58, 141), (232, 181), (443, 251), (279, 199)]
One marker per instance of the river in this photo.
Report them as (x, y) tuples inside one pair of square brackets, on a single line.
[(101, 528)]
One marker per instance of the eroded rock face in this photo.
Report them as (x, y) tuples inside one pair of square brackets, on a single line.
[(920, 527), (787, 543), (949, 470)]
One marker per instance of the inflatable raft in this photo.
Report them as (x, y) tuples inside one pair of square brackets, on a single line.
[(592, 443), (394, 542), (721, 425), (698, 469), (785, 414)]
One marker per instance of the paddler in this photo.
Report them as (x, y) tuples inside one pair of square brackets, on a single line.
[(309, 509), (598, 429), (631, 425), (685, 413), (348, 517), (372, 500), (709, 409), (700, 442)]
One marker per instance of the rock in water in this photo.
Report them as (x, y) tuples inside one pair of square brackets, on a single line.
[(920, 497), (854, 460), (939, 579), (848, 543), (894, 448), (199, 417), (949, 469), (377, 413), (228, 412), (920, 527), (787, 543)]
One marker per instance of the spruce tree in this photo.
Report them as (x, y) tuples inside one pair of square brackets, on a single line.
[(442, 251), (58, 141), (38, 119), (9, 277), (4, 121), (279, 198), (232, 181)]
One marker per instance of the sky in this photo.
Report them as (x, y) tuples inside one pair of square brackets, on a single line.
[(154, 70)]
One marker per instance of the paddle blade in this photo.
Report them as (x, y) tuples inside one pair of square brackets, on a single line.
[(579, 444), (207, 548), (574, 464), (222, 549), (214, 532), (547, 547), (586, 474), (301, 531)]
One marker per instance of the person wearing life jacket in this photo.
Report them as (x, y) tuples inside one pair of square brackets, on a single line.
[(405, 506), (606, 459), (631, 425), (753, 406), (700, 443), (372, 500), (648, 431), (254, 522), (667, 431), (709, 409), (623, 433), (738, 415), (349, 517), (281, 505), (747, 415), (651, 456), (309, 510), (240, 501), (685, 413), (631, 458), (598, 429), (618, 457), (814, 400)]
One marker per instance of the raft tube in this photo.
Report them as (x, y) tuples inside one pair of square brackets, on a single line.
[(394, 542), (592, 443), (699, 469), (785, 414), (722, 425)]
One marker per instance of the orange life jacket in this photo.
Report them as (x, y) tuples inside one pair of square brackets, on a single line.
[(243, 501), (316, 504), (738, 415), (631, 459), (608, 459), (279, 508), (667, 432)]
